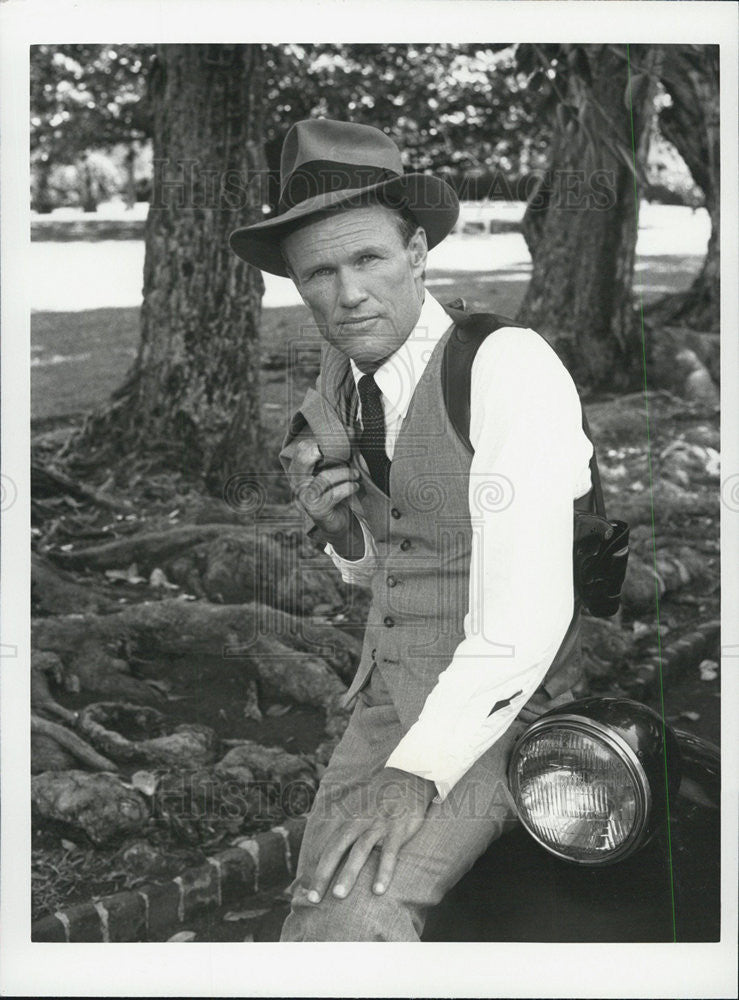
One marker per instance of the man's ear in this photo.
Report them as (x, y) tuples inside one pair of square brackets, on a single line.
[(419, 251), (291, 276)]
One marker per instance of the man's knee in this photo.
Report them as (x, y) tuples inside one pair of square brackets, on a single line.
[(361, 916)]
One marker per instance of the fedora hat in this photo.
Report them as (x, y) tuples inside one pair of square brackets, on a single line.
[(326, 164)]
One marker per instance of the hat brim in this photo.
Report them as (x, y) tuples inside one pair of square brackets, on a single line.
[(431, 200)]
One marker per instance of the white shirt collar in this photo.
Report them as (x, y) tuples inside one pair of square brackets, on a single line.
[(398, 376)]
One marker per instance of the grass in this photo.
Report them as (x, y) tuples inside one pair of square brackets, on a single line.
[(79, 358)]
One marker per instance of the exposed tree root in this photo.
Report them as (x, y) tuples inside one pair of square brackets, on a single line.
[(71, 742), (302, 659)]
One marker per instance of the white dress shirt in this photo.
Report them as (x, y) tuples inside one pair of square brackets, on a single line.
[(526, 431)]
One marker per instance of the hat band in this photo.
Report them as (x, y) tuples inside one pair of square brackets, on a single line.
[(319, 177)]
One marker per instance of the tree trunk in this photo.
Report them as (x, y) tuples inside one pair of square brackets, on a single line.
[(690, 76), (129, 193), (89, 187), (192, 394), (581, 222), (43, 202)]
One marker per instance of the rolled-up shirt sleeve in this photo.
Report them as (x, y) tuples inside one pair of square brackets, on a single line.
[(529, 455), (356, 571)]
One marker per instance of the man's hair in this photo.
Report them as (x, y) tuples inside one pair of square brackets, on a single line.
[(405, 220)]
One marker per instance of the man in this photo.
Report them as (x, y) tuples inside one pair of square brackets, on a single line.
[(473, 626)]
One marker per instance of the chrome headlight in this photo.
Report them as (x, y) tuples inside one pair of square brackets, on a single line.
[(588, 778)]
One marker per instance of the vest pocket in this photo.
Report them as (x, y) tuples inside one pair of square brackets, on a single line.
[(357, 685)]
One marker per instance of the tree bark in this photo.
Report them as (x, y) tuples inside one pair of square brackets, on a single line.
[(89, 187), (690, 76), (43, 202), (581, 222), (129, 195), (192, 394)]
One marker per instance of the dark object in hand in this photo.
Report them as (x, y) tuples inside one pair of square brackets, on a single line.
[(600, 556)]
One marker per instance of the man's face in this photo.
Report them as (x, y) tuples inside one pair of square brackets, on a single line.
[(362, 285)]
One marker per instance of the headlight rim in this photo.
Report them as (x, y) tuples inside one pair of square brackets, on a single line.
[(626, 754)]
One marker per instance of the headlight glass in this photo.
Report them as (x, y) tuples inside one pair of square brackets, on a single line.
[(580, 790)]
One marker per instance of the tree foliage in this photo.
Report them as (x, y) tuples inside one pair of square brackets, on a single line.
[(455, 107), (87, 97)]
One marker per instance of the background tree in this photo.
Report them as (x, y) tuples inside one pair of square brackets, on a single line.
[(691, 122), (450, 108), (581, 222), (191, 396), (83, 98)]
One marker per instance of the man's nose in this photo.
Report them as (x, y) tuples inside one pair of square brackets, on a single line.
[(351, 291)]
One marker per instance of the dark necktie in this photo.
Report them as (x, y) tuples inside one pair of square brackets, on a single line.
[(372, 438)]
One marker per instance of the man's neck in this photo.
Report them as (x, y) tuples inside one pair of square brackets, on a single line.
[(370, 367)]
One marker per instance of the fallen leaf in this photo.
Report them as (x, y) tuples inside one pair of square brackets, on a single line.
[(128, 575), (145, 781), (713, 462), (249, 937), (244, 914), (692, 716), (158, 579), (708, 670), (163, 687), (276, 710), (69, 845), (323, 609), (251, 705), (183, 936)]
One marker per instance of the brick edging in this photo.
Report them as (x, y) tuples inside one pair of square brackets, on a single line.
[(136, 914)]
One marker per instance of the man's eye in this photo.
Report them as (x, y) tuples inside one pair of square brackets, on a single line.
[(320, 272), (368, 256)]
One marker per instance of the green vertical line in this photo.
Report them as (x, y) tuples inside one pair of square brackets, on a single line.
[(651, 504)]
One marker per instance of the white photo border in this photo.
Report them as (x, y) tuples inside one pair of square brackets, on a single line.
[(213, 969)]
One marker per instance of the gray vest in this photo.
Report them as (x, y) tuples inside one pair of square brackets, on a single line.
[(420, 591)]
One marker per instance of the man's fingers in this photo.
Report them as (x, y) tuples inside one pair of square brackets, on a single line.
[(386, 867), (356, 861), (326, 477), (336, 474), (331, 857), (320, 502)]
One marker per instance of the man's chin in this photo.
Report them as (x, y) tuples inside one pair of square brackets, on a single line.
[(368, 360)]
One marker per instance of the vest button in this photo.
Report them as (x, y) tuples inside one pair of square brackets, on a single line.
[(391, 581), (395, 513), (388, 621), (374, 652), (405, 544)]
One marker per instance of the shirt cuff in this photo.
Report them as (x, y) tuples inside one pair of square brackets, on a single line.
[(357, 571)]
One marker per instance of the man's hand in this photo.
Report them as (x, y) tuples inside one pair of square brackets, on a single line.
[(322, 494), (398, 802)]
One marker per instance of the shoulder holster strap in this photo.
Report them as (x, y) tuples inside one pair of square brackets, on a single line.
[(470, 329)]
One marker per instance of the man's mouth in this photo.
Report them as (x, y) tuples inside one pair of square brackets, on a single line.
[(358, 321)]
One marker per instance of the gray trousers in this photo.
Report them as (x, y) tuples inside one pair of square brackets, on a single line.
[(454, 834)]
